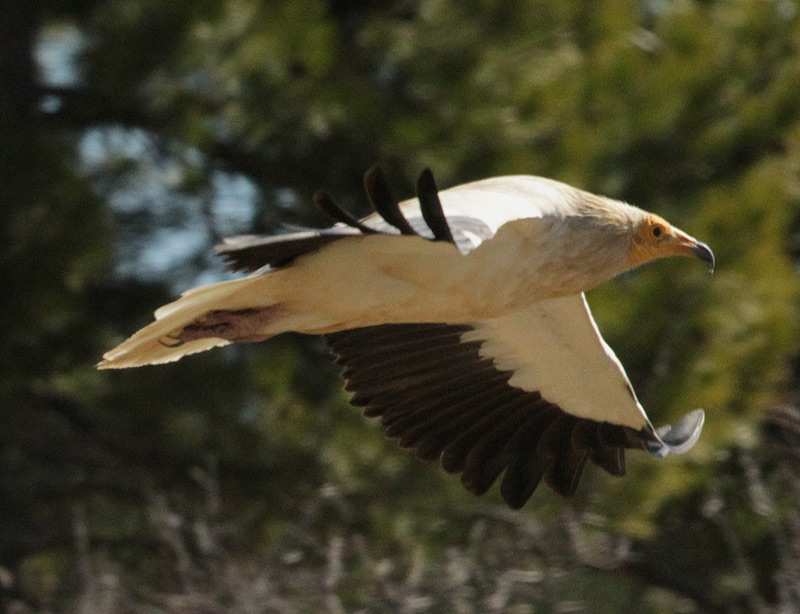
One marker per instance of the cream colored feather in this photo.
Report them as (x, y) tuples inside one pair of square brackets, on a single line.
[(550, 240)]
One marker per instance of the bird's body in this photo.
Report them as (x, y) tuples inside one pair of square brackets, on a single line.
[(547, 241), (507, 292)]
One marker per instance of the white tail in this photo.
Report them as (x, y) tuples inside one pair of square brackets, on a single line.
[(154, 345)]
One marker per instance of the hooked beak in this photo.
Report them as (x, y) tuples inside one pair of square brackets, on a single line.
[(688, 246), (704, 253)]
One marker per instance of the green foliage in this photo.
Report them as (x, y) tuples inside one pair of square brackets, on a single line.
[(241, 480)]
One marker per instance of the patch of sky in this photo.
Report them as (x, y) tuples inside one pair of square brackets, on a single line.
[(57, 50), (166, 232)]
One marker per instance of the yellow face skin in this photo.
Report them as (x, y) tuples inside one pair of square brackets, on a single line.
[(657, 238)]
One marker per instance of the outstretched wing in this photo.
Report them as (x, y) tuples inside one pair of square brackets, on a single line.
[(532, 395), (466, 216)]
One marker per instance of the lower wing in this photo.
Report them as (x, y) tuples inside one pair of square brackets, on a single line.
[(532, 395)]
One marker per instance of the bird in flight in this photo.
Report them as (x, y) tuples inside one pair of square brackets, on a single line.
[(459, 319)]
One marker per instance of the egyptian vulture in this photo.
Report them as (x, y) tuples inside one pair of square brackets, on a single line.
[(460, 321)]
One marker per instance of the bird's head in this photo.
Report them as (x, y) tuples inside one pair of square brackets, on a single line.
[(654, 237)]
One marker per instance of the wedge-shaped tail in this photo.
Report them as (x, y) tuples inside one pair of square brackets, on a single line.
[(167, 339)]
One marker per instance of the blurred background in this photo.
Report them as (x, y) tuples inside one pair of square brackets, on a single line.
[(135, 134)]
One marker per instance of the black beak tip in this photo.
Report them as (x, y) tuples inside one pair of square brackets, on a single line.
[(704, 253)]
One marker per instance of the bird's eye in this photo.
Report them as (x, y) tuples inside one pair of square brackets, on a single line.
[(658, 230)]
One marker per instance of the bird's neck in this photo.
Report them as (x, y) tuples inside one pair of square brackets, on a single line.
[(526, 263)]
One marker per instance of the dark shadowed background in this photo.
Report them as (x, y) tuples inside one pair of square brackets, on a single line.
[(134, 134)]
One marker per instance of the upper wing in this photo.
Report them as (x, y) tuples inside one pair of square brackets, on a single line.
[(479, 208), (253, 252), (534, 394), (465, 215)]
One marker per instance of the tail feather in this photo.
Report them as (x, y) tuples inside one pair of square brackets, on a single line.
[(156, 342), (146, 353)]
